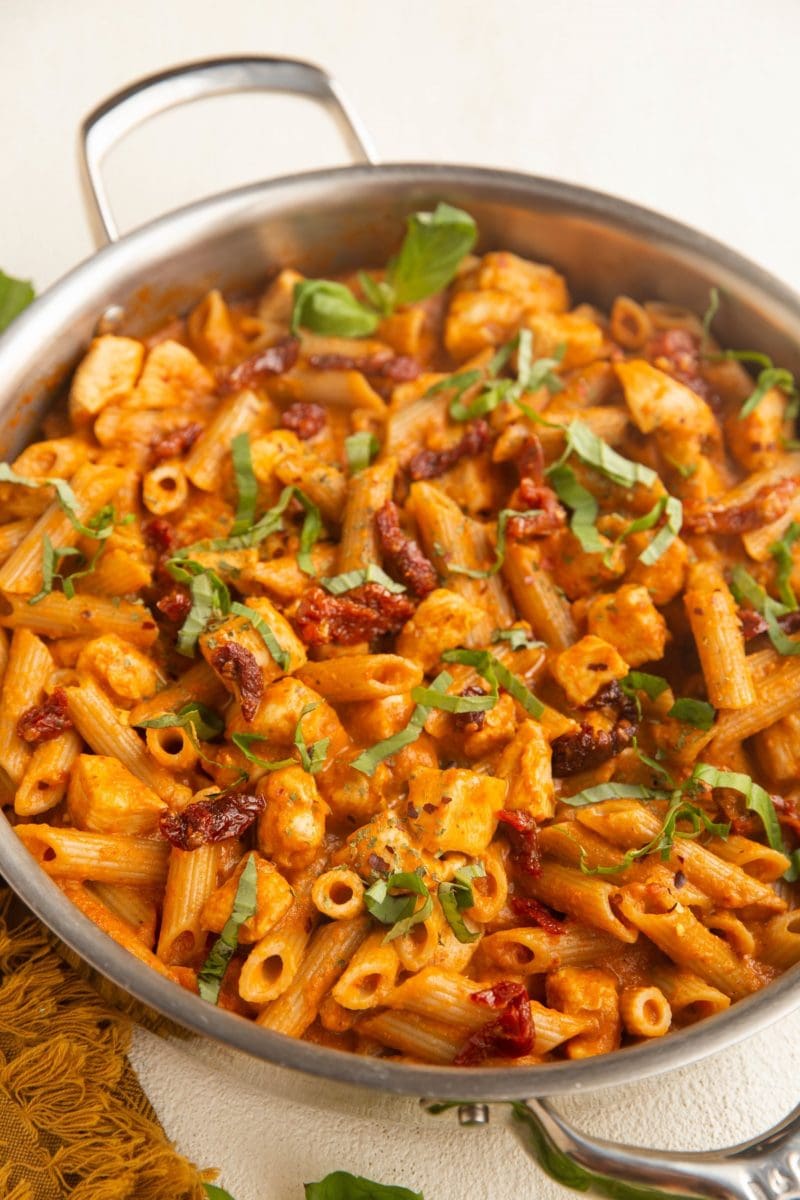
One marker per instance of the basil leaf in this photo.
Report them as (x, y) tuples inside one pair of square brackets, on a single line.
[(378, 294), (488, 399), (216, 1193), (655, 766), (341, 1185), (592, 450), (204, 721), (665, 536), (503, 517), (67, 502), (431, 253), (583, 504), (15, 295), (246, 484), (497, 674), (400, 912), (613, 791), (309, 533), (270, 523), (756, 799), (360, 449), (281, 656), (770, 377), (337, 585), (745, 587), (243, 742), (51, 557), (210, 598), (433, 698), (517, 639), (330, 308), (781, 551), (533, 374), (312, 758), (210, 976), (708, 317), (699, 713), (458, 383), (454, 897), (651, 685), (663, 841), (368, 760)]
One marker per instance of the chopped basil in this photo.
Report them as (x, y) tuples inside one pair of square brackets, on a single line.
[(51, 557), (270, 523), (781, 551), (596, 453), (378, 293), (613, 791), (15, 295), (337, 585), (281, 656), (496, 673), (708, 317), (209, 595), (399, 911), (243, 742), (651, 685), (210, 976), (699, 713), (246, 484), (503, 517), (654, 765), (103, 525), (456, 896), (768, 377), (646, 521), (432, 697), (756, 799), (204, 721), (745, 587), (517, 639), (662, 843), (583, 504), (341, 1185), (665, 536), (330, 308), (532, 374), (368, 760), (432, 250), (312, 758), (360, 449)]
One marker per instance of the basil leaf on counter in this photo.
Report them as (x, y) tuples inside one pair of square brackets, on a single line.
[(246, 484), (330, 308), (699, 713), (15, 295), (203, 720), (341, 1185), (432, 250), (367, 761), (360, 449), (210, 976), (454, 897), (216, 1193), (583, 505), (337, 585), (400, 911), (781, 551), (496, 673), (281, 656)]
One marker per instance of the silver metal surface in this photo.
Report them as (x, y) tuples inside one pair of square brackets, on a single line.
[(473, 1114), (329, 221), (766, 1168), (147, 97)]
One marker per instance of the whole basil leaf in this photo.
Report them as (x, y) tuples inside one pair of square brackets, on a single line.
[(216, 1193), (432, 250), (15, 294), (331, 308), (341, 1185)]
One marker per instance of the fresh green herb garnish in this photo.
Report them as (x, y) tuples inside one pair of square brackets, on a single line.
[(503, 517), (281, 656), (210, 976), (341, 1185), (745, 588), (337, 585), (651, 685), (204, 721), (210, 599), (517, 639), (454, 897), (756, 799), (67, 502), (360, 449), (583, 504), (51, 557), (331, 308), (532, 374), (497, 674), (15, 295), (368, 760), (666, 535), (612, 791), (592, 450), (781, 551), (399, 911), (243, 742), (432, 697), (246, 484), (216, 1193), (708, 317), (699, 713), (662, 843), (312, 758)]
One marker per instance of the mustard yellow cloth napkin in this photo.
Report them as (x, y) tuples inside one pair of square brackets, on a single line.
[(73, 1119)]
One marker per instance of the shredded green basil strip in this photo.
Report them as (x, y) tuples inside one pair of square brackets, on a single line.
[(210, 976), (51, 557), (337, 585), (708, 317), (592, 450), (309, 533), (487, 400), (458, 383), (312, 758), (281, 656), (699, 713), (368, 760), (654, 765), (400, 912), (781, 551), (756, 799), (433, 698), (613, 791), (206, 723), (665, 536), (745, 587), (360, 449), (378, 293), (270, 523), (243, 742), (432, 250), (517, 639), (769, 378), (497, 674), (503, 517), (583, 505), (663, 841), (341, 1185), (640, 525), (651, 685), (454, 897), (15, 295), (67, 501), (210, 598), (330, 308), (246, 484)]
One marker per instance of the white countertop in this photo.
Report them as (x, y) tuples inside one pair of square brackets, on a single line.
[(687, 106)]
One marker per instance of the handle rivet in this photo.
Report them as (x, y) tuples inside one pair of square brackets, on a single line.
[(473, 1114), (111, 319)]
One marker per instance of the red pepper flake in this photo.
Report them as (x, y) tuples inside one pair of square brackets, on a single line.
[(399, 368), (46, 721), (238, 664), (363, 613), (260, 366), (523, 840), (175, 443), (176, 604), (209, 821), (428, 464), (536, 913), (306, 420), (402, 555), (511, 1035)]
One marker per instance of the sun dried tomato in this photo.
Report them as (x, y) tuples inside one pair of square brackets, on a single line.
[(768, 504), (549, 514), (677, 352), (364, 613), (175, 604), (400, 368), (306, 420), (428, 464), (206, 821), (238, 664), (538, 914), (260, 366), (510, 1035), (470, 722), (589, 747), (46, 721), (175, 443), (402, 554), (611, 695), (523, 840), (754, 624), (160, 535)]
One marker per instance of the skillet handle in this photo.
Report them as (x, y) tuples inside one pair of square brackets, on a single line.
[(122, 112), (766, 1168)]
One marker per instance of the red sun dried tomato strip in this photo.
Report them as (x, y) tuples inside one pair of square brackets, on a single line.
[(754, 624), (768, 504), (538, 914), (175, 604), (470, 722), (589, 747), (549, 517), (402, 555), (400, 368), (175, 443), (306, 420), (207, 821), (263, 365), (428, 464), (523, 840), (159, 534), (677, 352), (46, 721), (235, 662), (510, 1035), (364, 613)]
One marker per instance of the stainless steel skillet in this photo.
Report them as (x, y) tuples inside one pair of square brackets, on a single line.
[(325, 221)]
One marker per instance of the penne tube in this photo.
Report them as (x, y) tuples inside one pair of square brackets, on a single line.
[(44, 783), (191, 879), (727, 925), (714, 620), (30, 666), (111, 923), (536, 596), (754, 858), (591, 993), (104, 857), (172, 748), (583, 897), (12, 534), (165, 489), (338, 894), (690, 997), (645, 1011), (56, 616), (367, 492), (369, 977), (779, 941), (777, 696), (346, 389), (199, 684), (361, 677), (273, 962), (135, 906), (240, 413)]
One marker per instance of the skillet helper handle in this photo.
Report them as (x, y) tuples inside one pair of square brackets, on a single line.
[(766, 1168), (122, 112)]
